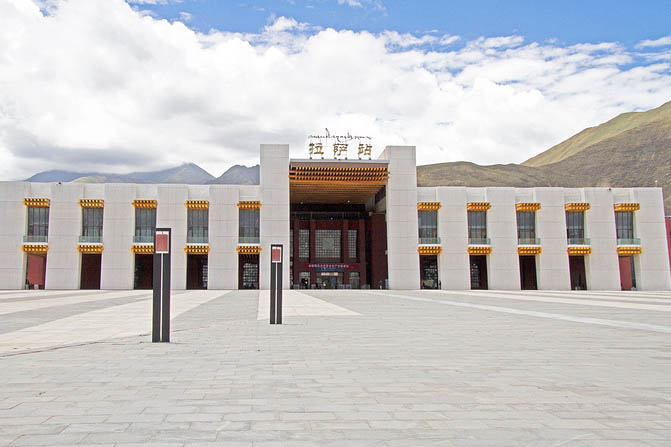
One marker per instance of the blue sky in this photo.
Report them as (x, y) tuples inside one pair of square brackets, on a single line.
[(568, 21)]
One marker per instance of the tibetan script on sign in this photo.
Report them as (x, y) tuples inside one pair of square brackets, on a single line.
[(340, 145)]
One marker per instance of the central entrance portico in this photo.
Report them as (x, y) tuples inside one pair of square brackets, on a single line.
[(338, 227)]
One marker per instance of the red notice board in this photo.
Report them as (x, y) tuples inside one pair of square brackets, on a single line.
[(162, 242), (276, 253)]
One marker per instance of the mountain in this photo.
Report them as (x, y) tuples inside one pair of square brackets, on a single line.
[(593, 135), (238, 175), (632, 149), (187, 173)]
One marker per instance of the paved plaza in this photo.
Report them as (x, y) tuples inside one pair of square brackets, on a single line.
[(348, 368)]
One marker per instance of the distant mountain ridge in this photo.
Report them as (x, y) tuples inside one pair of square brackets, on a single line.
[(632, 149)]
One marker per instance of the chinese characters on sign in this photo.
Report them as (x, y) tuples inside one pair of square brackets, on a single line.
[(340, 145)]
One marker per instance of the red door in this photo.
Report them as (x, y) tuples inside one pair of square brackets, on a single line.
[(626, 281)]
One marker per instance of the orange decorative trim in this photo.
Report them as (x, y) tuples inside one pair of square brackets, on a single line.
[(576, 207), (479, 250), (429, 249), (248, 249), (529, 250), (36, 202), (92, 203), (197, 204), (579, 251), (142, 249), (144, 204), (532, 206), (627, 206), (90, 248), (197, 249), (337, 174), (628, 251), (36, 249), (249, 205), (478, 206), (428, 206)]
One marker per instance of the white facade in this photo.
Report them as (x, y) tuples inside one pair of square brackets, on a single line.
[(63, 267)]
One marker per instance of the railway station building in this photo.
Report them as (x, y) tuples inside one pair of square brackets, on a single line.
[(344, 223)]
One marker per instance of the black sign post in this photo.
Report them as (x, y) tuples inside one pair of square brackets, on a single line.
[(160, 330), (276, 252)]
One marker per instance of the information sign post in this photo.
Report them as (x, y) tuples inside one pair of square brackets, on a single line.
[(276, 255), (161, 282)]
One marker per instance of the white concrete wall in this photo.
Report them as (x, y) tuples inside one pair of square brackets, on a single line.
[(65, 220), (223, 237), (552, 265), (453, 264), (172, 213), (12, 229), (402, 229), (601, 267), (118, 229), (652, 266), (503, 269), (274, 208)]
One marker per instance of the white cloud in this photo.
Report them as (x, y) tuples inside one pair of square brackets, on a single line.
[(661, 42), (98, 85), (377, 4)]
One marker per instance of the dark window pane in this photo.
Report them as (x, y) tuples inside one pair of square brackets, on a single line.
[(428, 224), (477, 224)]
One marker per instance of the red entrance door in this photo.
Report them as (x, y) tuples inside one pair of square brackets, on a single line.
[(626, 272)]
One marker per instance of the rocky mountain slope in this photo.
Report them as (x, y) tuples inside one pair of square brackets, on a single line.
[(633, 149)]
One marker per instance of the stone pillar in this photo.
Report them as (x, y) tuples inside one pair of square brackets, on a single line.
[(401, 219), (274, 208)]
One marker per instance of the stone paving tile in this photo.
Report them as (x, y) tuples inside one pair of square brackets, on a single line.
[(391, 372)]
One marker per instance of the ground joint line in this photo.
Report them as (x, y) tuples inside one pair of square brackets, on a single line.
[(531, 313)]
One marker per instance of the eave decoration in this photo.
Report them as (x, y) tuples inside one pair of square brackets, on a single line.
[(249, 205), (627, 206), (629, 251), (479, 250), (143, 249), (197, 204), (576, 207), (248, 249), (429, 249), (90, 248), (196, 249), (36, 249), (34, 202), (428, 206), (92, 203), (144, 204), (528, 251), (528, 206), (579, 251), (478, 206)]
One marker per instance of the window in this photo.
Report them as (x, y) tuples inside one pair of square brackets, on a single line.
[(477, 227), (327, 244), (92, 224), (352, 243), (303, 244), (624, 221), (249, 226), (38, 223), (145, 224), (575, 227), (428, 226), (197, 226), (526, 227)]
